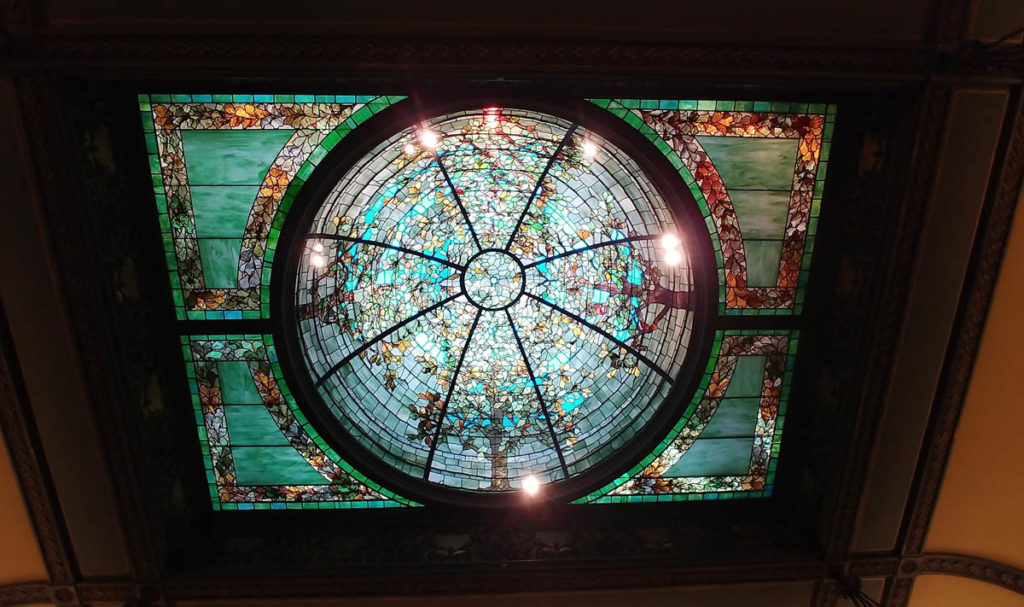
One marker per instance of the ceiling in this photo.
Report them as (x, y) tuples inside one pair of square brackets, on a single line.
[(952, 370)]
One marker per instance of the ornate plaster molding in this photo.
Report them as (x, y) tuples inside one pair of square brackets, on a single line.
[(982, 274), (19, 432)]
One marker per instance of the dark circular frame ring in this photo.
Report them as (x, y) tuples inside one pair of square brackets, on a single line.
[(392, 120)]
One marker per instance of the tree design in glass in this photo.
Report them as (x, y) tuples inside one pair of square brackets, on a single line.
[(493, 295)]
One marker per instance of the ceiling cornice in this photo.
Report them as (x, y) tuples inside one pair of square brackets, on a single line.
[(152, 595)]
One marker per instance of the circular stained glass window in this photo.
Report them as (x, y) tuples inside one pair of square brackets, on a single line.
[(493, 299)]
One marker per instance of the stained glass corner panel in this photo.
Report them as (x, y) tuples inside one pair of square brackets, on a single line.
[(757, 169), (726, 445), (221, 165)]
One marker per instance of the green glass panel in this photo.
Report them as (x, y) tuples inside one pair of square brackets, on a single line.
[(220, 261), (273, 466), (252, 425), (753, 163), (223, 157), (762, 214), (714, 457), (236, 384), (763, 262), (748, 377), (735, 417), (222, 211)]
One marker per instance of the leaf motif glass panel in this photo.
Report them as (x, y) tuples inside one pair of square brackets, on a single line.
[(533, 240)]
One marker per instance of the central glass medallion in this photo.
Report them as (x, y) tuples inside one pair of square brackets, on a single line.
[(493, 280), (492, 300)]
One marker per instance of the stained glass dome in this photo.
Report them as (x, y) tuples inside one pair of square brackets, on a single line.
[(493, 296)]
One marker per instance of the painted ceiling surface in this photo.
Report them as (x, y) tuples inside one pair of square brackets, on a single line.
[(487, 300)]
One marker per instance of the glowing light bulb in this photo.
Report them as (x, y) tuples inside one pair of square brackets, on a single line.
[(531, 485), (670, 241), (409, 149), (491, 116), (427, 138), (318, 247), (589, 150), (672, 257), (318, 261)]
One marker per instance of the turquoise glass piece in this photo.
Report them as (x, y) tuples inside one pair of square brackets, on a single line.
[(253, 426), (273, 466), (761, 213), (222, 211), (714, 457), (217, 157), (236, 384), (762, 262), (735, 418), (748, 378), (220, 261), (753, 164)]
